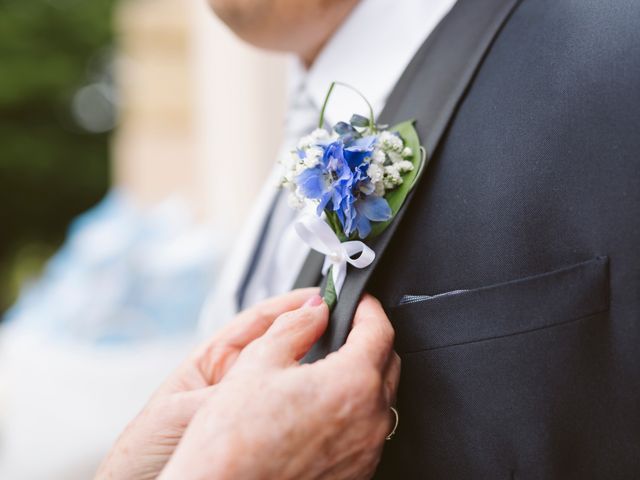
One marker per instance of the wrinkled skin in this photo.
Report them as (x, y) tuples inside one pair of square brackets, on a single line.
[(243, 407), (151, 438)]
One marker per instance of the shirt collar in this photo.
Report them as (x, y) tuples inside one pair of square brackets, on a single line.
[(370, 51)]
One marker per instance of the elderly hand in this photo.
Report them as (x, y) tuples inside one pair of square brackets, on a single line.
[(271, 417), (146, 445)]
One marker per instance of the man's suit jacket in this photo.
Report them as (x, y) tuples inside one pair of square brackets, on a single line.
[(529, 213)]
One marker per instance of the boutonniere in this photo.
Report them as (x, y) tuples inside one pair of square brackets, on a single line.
[(355, 178)]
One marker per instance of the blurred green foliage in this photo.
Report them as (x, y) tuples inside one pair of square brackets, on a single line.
[(50, 169)]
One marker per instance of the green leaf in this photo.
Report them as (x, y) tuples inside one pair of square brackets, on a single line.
[(329, 295), (397, 197)]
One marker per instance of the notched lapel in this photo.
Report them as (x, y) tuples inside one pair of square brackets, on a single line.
[(430, 90)]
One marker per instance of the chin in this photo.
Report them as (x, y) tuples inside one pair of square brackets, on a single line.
[(241, 15), (294, 26)]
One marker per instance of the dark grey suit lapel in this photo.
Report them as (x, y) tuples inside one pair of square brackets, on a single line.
[(311, 273), (430, 91)]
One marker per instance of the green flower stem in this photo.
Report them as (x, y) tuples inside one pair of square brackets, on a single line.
[(329, 293), (372, 119)]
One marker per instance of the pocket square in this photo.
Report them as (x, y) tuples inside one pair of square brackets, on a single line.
[(423, 298)]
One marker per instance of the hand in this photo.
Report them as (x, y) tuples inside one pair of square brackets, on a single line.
[(271, 417), (148, 442)]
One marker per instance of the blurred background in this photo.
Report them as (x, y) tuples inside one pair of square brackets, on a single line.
[(118, 121)]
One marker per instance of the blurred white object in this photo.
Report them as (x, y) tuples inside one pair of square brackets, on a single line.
[(62, 405), (86, 345)]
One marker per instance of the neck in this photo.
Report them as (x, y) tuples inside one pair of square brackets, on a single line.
[(308, 58)]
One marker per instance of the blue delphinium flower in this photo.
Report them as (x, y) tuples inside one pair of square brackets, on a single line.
[(340, 183)]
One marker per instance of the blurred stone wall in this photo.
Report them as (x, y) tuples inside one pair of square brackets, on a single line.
[(201, 112)]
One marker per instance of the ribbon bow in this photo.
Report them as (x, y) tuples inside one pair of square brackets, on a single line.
[(319, 236)]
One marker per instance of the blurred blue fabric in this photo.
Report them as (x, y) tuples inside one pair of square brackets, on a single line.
[(124, 274)]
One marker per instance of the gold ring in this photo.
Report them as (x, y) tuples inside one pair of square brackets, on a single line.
[(395, 426)]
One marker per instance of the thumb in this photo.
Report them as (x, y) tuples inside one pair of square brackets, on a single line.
[(290, 337)]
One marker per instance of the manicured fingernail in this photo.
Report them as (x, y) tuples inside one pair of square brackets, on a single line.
[(314, 301)]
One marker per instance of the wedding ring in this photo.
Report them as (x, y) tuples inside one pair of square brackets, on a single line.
[(395, 426)]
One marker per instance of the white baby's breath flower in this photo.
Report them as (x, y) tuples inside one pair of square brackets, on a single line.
[(311, 140), (306, 142), (392, 177), (281, 182), (394, 156), (312, 156), (289, 165), (407, 152), (380, 190), (385, 137), (284, 180), (288, 180), (375, 172), (301, 167), (320, 134), (405, 166), (289, 161), (311, 162), (295, 201), (378, 157), (391, 142), (391, 170)]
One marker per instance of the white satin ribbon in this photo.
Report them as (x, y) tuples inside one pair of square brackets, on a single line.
[(317, 234)]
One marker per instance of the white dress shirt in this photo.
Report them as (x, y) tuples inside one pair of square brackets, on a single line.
[(369, 51)]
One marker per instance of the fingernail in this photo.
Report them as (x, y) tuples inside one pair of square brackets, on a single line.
[(314, 301)]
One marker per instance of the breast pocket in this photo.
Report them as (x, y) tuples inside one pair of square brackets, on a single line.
[(505, 381), (427, 322)]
